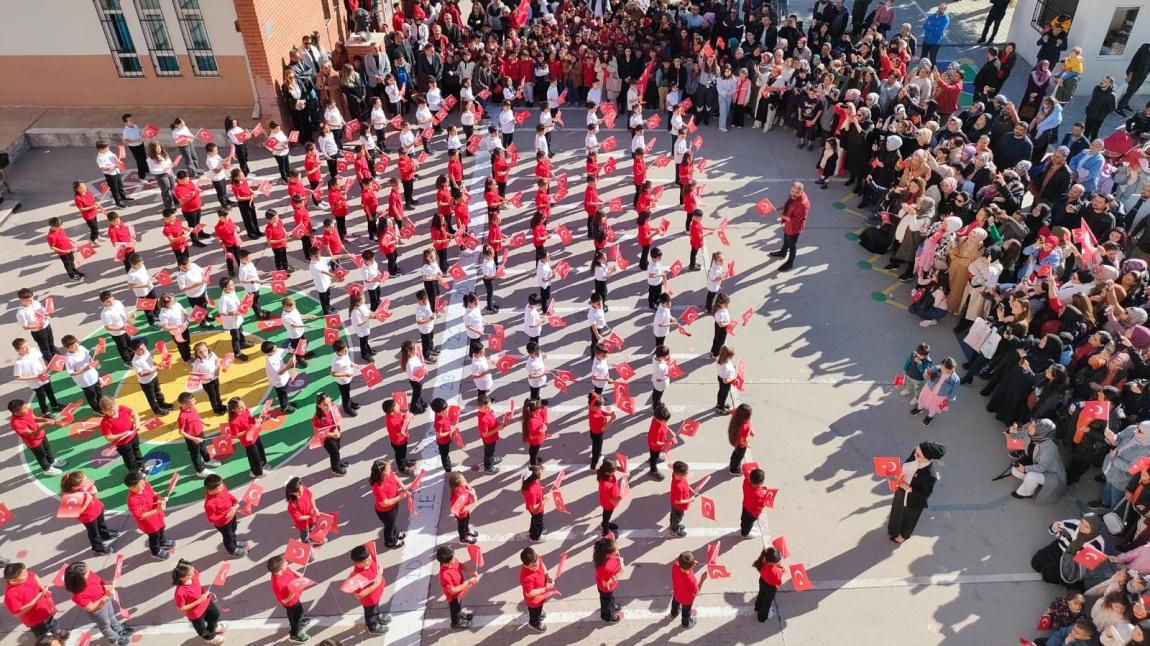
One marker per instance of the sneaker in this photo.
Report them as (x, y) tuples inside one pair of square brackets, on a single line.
[(218, 639), (690, 624), (112, 535), (927, 420), (492, 470), (904, 392), (240, 553), (298, 637), (377, 629), (289, 409), (339, 472), (915, 411), (242, 357), (463, 624), (656, 476), (538, 627), (253, 474), (162, 555), (52, 471), (735, 472), (213, 464), (102, 549), (205, 473), (927, 323), (123, 640), (614, 619), (470, 540), (168, 543)]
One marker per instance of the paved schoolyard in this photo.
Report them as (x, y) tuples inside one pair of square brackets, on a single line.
[(821, 352)]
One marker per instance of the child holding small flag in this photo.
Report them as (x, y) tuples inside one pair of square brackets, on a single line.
[(388, 492), (148, 510), (288, 596), (191, 428), (367, 566), (451, 572)]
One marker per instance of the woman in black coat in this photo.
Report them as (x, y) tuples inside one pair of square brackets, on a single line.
[(915, 485), (1008, 400)]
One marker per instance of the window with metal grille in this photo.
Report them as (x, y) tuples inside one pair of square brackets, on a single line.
[(196, 38), (156, 35), (120, 43), (1046, 11)]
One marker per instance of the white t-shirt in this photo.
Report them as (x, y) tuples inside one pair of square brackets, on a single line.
[(406, 141), (488, 269), (454, 142), (229, 305), (659, 371), (662, 322), (174, 316), (333, 118), (544, 275), (591, 142), (320, 270), (423, 116), (596, 318), (114, 315), (248, 277), (727, 371), (30, 365), (480, 365), (424, 313), (546, 121), (638, 142), (715, 274), (655, 273), (378, 118), (600, 373), (144, 363), (293, 323), (281, 146), (472, 321), (414, 364), (193, 275), (161, 166), (535, 365), (434, 99), (182, 132), (75, 361), (342, 363), (429, 272), (208, 367), (680, 150), (140, 276), (507, 122), (272, 365), (601, 273), (592, 118), (722, 317), (108, 163), (33, 315), (215, 165), (541, 144), (361, 321), (370, 272), (532, 321)]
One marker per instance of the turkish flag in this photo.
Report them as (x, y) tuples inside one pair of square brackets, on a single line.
[(279, 287), (163, 279), (885, 467), (57, 363), (301, 347), (780, 544), (505, 363), (221, 447), (1045, 623), (1140, 465), (330, 336), (252, 496), (689, 427), (221, 576), (614, 342), (675, 371), (400, 399), (615, 205), (764, 206), (627, 405), (769, 499), (146, 304), (676, 268), (355, 583), (70, 504), (324, 524), (799, 579), (1089, 557), (457, 272), (299, 585), (297, 552), (731, 269), (707, 507), (748, 467), (621, 463), (564, 234), (557, 498), (689, 316), (6, 515), (1014, 442), (556, 321), (716, 571), (625, 370), (475, 553), (198, 315), (371, 376), (746, 317)]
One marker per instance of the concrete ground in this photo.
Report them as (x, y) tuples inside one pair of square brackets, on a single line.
[(821, 351)]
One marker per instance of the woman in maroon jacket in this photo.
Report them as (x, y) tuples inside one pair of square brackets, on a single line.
[(794, 217)]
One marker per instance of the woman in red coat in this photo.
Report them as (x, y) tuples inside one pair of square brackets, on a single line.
[(794, 217)]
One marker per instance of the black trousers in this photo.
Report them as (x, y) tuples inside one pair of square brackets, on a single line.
[(221, 192), (545, 297), (130, 453), (390, 535), (331, 445), (154, 395), (653, 294), (710, 303), (489, 455), (282, 165), (456, 608), (764, 599), (606, 524), (790, 243), (69, 262), (197, 453), (46, 341), (156, 541), (720, 339), (93, 230), (295, 617), (677, 518), (408, 192), (535, 616), (206, 625), (533, 454), (280, 256), (140, 154), (242, 157), (601, 289), (373, 617), (445, 455), (345, 397), (596, 448), (535, 531), (463, 525), (607, 605), (653, 461), (122, 341), (92, 395), (416, 393), (325, 301), (228, 533), (192, 218), (45, 396), (489, 289), (746, 522), (724, 394), (400, 456), (257, 457), (656, 395), (43, 454), (737, 458), (116, 187), (432, 289), (212, 388), (98, 532)]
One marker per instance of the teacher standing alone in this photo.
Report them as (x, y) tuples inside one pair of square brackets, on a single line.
[(915, 486)]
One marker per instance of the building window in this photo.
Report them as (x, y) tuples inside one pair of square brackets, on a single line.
[(1047, 11), (156, 35), (1118, 33), (196, 38), (119, 38)]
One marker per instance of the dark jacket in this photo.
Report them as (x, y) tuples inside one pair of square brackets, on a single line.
[(921, 485), (1102, 103), (1139, 66), (1010, 150)]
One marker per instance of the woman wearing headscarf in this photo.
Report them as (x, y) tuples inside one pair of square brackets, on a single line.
[(915, 485), (935, 251), (1037, 86), (962, 256), (1008, 399), (1044, 128), (983, 275), (882, 175), (914, 217), (1088, 440), (1043, 477), (1055, 562)]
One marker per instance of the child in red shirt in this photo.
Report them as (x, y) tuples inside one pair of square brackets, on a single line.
[(246, 200), (148, 510), (27, 427), (536, 585), (597, 420), (638, 173), (406, 167), (534, 420), (220, 507), (608, 569), (492, 197), (739, 434), (30, 600), (454, 169), (301, 509), (121, 237), (533, 499), (463, 501), (454, 586), (681, 497), (755, 498), (94, 596), (461, 212), (191, 428), (367, 567), (591, 201), (85, 201), (444, 431), (301, 225), (500, 170), (697, 232), (397, 431), (388, 492), (658, 439), (684, 588), (91, 510), (337, 201), (288, 595), (609, 494), (770, 578), (65, 249), (489, 427), (311, 166), (275, 233), (195, 602), (225, 231), (542, 198), (443, 199)]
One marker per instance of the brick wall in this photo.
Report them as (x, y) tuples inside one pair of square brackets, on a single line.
[(270, 28)]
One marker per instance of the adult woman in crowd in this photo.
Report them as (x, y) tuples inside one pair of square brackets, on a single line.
[(1041, 474), (295, 95), (1038, 85), (962, 255), (1008, 400), (1056, 563), (354, 94)]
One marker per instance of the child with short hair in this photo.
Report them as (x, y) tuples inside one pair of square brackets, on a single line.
[(288, 596), (24, 591), (326, 426), (755, 499), (148, 376), (681, 497), (684, 588), (30, 368), (914, 368), (534, 428), (397, 424), (660, 373), (656, 278), (115, 319), (26, 425), (220, 507), (481, 370), (148, 510), (536, 585), (79, 364), (367, 566), (454, 586), (444, 430), (658, 439), (598, 420), (244, 427), (533, 499)]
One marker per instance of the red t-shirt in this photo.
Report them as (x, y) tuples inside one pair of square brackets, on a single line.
[(657, 436), (462, 215), (362, 170), (639, 171), (93, 590), (217, 505), (645, 237), (754, 498), (388, 488), (543, 203), (591, 200), (121, 423), (500, 170), (330, 239), (395, 205), (450, 577), (744, 434), (680, 490), (120, 234), (597, 419), (492, 198), (311, 167), (488, 421), (464, 494), (18, 596), (696, 235), (276, 235), (190, 192), (302, 506), (58, 239), (338, 202), (442, 426), (539, 235), (439, 238), (175, 229), (608, 490), (443, 201), (243, 423), (406, 169), (86, 202), (495, 237), (189, 422), (369, 573), (645, 203), (297, 188), (226, 233), (369, 201), (604, 573), (684, 585), (530, 579), (188, 592), (691, 202), (455, 170), (95, 507), (395, 427), (242, 190), (772, 573), (280, 587), (27, 429), (533, 498), (536, 430), (140, 503)]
